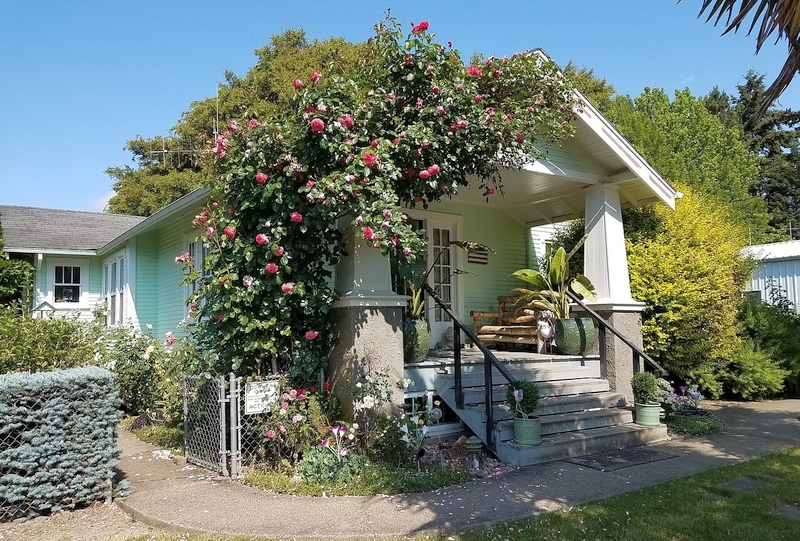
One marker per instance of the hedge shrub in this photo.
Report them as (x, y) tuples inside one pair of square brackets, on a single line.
[(57, 440)]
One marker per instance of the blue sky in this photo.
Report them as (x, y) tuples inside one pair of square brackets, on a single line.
[(79, 78)]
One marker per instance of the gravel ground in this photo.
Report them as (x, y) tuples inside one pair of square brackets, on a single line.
[(98, 522)]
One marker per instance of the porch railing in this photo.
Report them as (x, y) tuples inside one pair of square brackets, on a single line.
[(489, 362), (603, 326)]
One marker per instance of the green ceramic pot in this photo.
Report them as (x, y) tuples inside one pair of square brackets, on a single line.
[(416, 339), (648, 414), (575, 336), (528, 431)]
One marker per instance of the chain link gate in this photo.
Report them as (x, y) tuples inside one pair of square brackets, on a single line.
[(222, 431), (204, 422)]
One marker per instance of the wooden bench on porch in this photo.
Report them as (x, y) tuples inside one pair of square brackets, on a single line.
[(510, 325)]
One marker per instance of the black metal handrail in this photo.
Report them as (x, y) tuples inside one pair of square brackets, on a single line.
[(605, 325), (489, 362)]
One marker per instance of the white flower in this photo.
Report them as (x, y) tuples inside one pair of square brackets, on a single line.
[(369, 402), (149, 326)]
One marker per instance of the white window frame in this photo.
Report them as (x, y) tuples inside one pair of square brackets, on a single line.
[(83, 298), (115, 288), (191, 244)]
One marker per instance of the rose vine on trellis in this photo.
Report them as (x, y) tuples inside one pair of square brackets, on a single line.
[(411, 131)]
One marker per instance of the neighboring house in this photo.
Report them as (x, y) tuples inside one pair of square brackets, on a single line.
[(779, 263), (122, 265)]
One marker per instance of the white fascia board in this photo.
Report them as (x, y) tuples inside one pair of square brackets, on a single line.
[(15, 250), (622, 148), (164, 214)]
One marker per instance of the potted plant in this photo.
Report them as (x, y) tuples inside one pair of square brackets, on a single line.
[(645, 399), (416, 329), (523, 398), (573, 336)]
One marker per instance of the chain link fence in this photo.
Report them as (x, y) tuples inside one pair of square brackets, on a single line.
[(226, 422)]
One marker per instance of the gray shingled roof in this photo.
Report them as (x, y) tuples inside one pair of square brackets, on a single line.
[(33, 229)]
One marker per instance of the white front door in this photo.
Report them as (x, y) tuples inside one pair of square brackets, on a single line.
[(442, 259)]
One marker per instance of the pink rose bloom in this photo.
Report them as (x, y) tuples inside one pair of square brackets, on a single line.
[(369, 159), (317, 125), (474, 71), (271, 268), (369, 234), (421, 27), (261, 178), (296, 217), (310, 335), (230, 232), (315, 76), (285, 397), (298, 84), (233, 126), (288, 287), (252, 123), (497, 74), (359, 220), (210, 232), (270, 433), (285, 405), (478, 99), (520, 137), (279, 251), (406, 251), (433, 170), (346, 120), (440, 110), (424, 175), (247, 280), (293, 393), (387, 213), (435, 89), (282, 428), (261, 238)]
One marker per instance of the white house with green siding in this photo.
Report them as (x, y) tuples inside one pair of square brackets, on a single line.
[(125, 266)]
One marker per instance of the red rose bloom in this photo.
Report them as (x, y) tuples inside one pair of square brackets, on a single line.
[(296, 217), (271, 268), (315, 76), (317, 125), (298, 84), (369, 159), (261, 178)]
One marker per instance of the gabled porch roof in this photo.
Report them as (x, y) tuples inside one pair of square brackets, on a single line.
[(552, 188)]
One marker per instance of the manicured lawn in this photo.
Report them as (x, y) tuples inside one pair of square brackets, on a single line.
[(691, 509)]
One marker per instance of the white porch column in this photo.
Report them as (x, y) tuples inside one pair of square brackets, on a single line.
[(368, 319), (606, 265)]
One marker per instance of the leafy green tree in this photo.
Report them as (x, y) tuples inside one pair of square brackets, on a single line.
[(16, 278), (774, 137), (170, 167)]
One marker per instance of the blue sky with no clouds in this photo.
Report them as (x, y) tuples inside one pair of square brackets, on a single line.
[(79, 78)]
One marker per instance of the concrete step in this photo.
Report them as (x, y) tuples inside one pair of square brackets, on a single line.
[(475, 395), (571, 422), (551, 405), (584, 442)]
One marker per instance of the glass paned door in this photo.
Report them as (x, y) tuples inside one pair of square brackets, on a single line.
[(442, 271)]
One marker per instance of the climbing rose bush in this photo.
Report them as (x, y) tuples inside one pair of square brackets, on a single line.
[(352, 154)]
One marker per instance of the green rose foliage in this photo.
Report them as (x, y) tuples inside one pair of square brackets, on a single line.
[(411, 131)]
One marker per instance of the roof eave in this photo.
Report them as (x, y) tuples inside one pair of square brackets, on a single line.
[(634, 161), (47, 251), (164, 214)]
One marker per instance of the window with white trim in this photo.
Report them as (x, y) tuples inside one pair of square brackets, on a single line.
[(198, 251), (67, 283), (114, 287)]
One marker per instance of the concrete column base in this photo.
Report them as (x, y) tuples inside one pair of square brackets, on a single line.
[(618, 368), (370, 343)]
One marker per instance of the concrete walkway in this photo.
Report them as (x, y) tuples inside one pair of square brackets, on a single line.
[(189, 499)]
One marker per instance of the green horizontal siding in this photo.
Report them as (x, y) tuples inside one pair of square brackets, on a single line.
[(146, 297), (169, 292), (508, 239)]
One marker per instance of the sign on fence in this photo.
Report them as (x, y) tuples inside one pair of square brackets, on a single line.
[(258, 395)]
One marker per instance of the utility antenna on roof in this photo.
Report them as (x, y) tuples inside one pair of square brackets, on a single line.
[(176, 156)]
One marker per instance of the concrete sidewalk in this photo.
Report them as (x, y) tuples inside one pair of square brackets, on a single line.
[(190, 499)]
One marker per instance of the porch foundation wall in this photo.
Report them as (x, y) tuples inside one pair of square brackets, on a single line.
[(370, 342), (618, 368)]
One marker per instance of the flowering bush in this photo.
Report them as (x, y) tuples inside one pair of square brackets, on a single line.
[(335, 460), (411, 131)]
